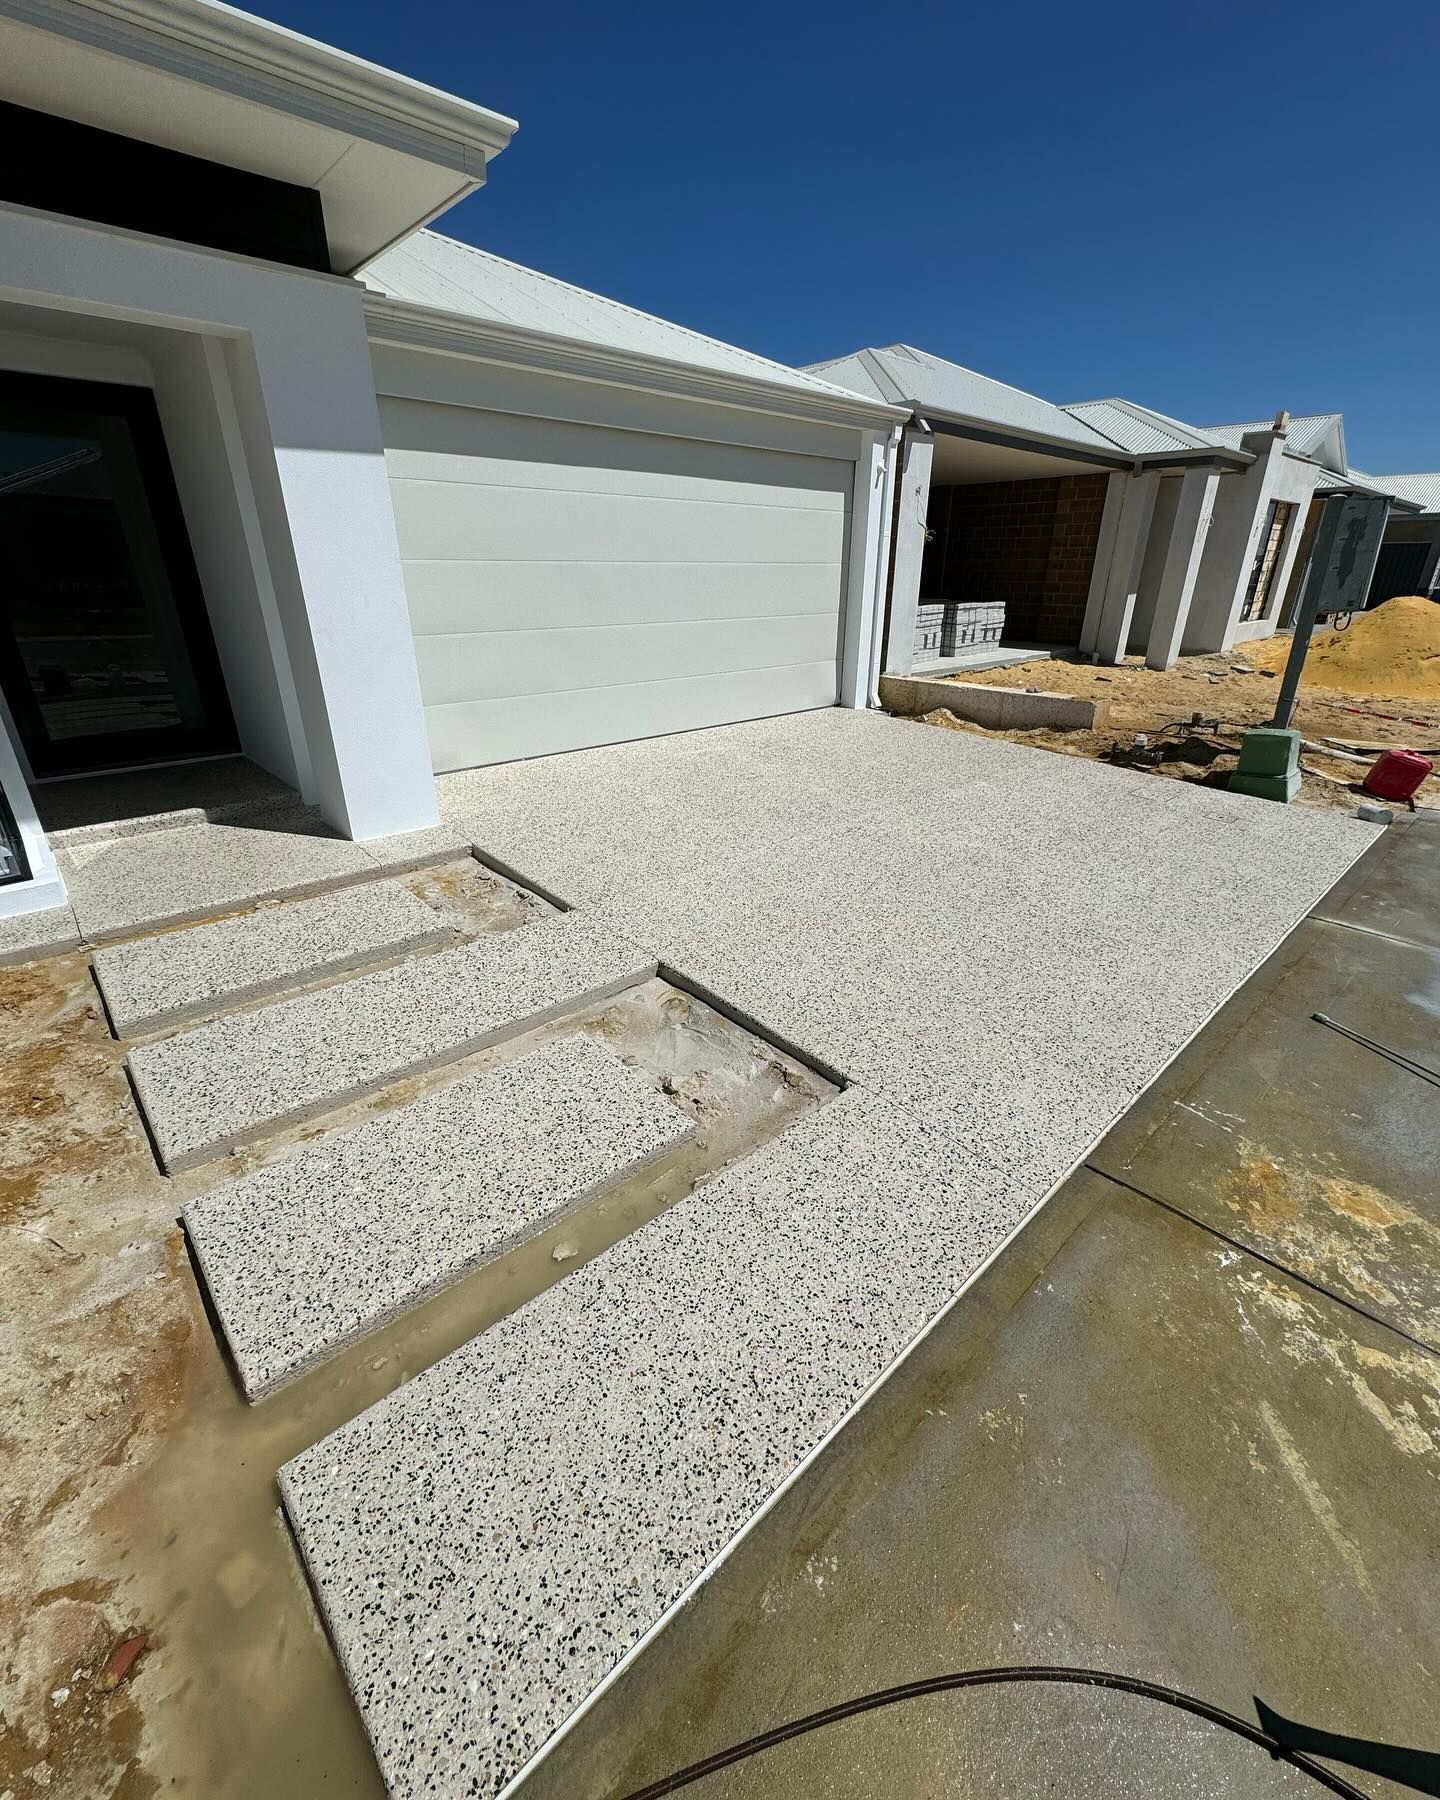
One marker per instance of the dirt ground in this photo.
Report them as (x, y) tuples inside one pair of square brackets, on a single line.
[(1231, 690), (137, 1490)]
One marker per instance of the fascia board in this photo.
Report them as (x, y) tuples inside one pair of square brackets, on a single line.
[(428, 328), (218, 46)]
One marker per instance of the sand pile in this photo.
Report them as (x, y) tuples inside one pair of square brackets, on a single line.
[(1394, 650)]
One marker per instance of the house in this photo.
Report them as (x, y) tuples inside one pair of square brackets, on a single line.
[(1103, 527), (285, 474), (1409, 560)]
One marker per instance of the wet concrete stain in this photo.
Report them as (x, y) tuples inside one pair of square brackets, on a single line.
[(1339, 1232)]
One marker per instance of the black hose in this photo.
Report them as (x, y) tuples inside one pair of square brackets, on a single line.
[(943, 1684)]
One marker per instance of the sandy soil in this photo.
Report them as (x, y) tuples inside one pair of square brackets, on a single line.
[(1228, 689), (137, 1488)]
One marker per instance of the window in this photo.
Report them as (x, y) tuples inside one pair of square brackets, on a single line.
[(1267, 561)]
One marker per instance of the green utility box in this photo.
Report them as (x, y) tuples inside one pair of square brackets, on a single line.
[(1269, 764), (1267, 787)]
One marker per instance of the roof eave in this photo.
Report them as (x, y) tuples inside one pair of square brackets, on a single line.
[(411, 326), (1013, 438)]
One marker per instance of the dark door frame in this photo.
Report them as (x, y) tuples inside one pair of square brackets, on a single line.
[(136, 408)]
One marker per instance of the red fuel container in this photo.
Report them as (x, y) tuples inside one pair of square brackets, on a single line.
[(1398, 774)]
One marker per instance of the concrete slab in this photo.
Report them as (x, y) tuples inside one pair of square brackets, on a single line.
[(1000, 947), (25, 936), (233, 1080), (1167, 1459), (1396, 893), (1008, 939), (119, 885), (130, 883), (330, 1243), (1303, 1145), (489, 1540), (155, 981)]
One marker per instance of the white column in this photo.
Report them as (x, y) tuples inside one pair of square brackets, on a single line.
[(865, 592), (1182, 565), (324, 502), (1100, 569), (45, 886), (918, 454), (1132, 536)]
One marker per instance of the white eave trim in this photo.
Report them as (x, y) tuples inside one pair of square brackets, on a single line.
[(218, 46), (403, 323)]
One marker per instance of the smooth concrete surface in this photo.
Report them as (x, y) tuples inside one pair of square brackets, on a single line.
[(236, 1078), (126, 884), (330, 1243), (489, 1540), (997, 947), (154, 981), (1001, 708), (1132, 1447), (1297, 1142), (996, 656), (25, 936)]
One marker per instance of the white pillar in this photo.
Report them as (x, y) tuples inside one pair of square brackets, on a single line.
[(918, 455), (312, 425), (1182, 565), (865, 594), (1132, 535), (1104, 556)]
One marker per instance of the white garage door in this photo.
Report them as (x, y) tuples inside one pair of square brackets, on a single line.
[(573, 585)]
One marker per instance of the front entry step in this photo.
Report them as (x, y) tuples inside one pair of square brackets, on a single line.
[(157, 980), (330, 1243), (240, 1078)]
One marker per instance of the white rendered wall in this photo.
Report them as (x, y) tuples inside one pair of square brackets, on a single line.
[(916, 458), (1241, 504), (299, 366)]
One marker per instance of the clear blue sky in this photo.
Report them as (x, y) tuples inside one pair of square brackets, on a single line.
[(1216, 209)]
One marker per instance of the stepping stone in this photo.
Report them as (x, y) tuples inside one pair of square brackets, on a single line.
[(305, 1256), (236, 1079), (493, 1537), (157, 980)]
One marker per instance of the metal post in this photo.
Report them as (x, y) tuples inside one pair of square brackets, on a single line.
[(1315, 581)]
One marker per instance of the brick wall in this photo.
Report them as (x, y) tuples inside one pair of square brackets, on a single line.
[(1030, 544)]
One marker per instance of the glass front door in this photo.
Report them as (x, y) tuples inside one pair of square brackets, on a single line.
[(105, 650)]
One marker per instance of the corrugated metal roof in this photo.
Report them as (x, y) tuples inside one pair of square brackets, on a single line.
[(899, 372), (1140, 429), (1424, 490), (1306, 436), (430, 269)]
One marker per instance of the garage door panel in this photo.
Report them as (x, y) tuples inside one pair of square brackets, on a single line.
[(461, 443), (521, 662), (449, 523), (573, 585), (481, 597), (474, 733), (657, 484)]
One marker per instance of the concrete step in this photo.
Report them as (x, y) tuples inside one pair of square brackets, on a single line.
[(157, 980), (236, 1079), (489, 1540), (330, 1243)]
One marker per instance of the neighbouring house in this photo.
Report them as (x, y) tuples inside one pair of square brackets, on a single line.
[(1409, 560), (284, 474), (1102, 527)]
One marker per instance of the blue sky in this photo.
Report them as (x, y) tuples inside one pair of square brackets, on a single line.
[(1216, 209)]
